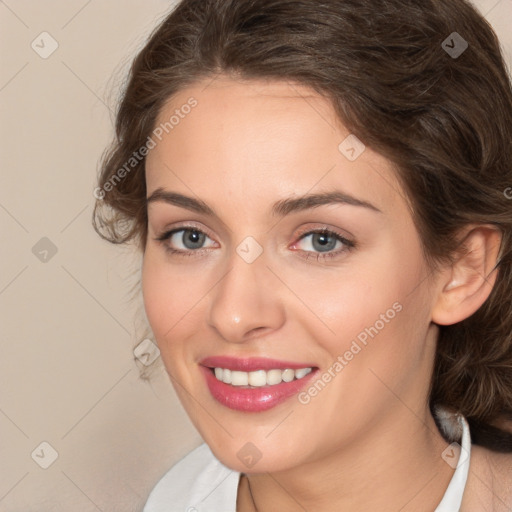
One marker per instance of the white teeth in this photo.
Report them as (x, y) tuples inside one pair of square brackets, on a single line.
[(274, 377), (226, 376), (288, 375), (302, 372), (259, 378), (239, 378)]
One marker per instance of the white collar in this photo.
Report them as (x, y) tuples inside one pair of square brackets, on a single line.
[(452, 498)]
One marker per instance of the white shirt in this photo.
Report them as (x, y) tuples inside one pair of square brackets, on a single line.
[(200, 483)]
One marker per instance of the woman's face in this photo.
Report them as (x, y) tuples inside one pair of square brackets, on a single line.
[(240, 265)]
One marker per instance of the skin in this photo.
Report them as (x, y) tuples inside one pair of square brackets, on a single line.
[(367, 441)]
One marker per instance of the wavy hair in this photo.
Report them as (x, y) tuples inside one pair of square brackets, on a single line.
[(443, 119)]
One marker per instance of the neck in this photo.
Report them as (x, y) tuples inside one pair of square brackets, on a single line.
[(395, 467)]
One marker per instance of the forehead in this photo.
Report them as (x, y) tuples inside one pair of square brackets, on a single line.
[(267, 138), (276, 116)]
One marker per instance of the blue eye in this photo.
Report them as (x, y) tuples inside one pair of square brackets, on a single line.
[(323, 244), (185, 240), (321, 241), (190, 241)]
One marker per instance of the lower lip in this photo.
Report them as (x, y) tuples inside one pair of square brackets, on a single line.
[(253, 399)]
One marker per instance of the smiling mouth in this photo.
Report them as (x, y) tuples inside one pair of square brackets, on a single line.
[(259, 378), (254, 384)]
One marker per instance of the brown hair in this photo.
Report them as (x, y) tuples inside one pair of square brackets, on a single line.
[(443, 119)]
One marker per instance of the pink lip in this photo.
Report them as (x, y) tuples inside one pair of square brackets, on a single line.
[(251, 399)]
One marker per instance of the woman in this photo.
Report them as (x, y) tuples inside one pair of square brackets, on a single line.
[(319, 190)]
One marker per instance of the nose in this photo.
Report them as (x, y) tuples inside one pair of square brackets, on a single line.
[(246, 302)]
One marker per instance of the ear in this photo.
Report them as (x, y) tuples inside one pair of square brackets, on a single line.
[(466, 284)]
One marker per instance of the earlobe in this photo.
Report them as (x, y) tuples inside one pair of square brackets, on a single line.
[(468, 282)]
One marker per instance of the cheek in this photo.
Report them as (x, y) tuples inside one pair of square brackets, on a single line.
[(377, 346), (156, 293), (355, 301), (387, 317), (171, 297), (374, 312)]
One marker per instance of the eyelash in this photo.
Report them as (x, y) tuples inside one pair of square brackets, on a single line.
[(348, 244)]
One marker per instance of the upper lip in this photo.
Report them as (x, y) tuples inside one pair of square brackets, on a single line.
[(249, 364)]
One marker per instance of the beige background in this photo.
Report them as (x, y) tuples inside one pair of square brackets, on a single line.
[(68, 375)]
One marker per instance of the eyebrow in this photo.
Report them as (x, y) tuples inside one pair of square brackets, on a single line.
[(281, 208)]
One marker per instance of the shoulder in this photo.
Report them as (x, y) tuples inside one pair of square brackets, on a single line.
[(489, 484), (196, 478)]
